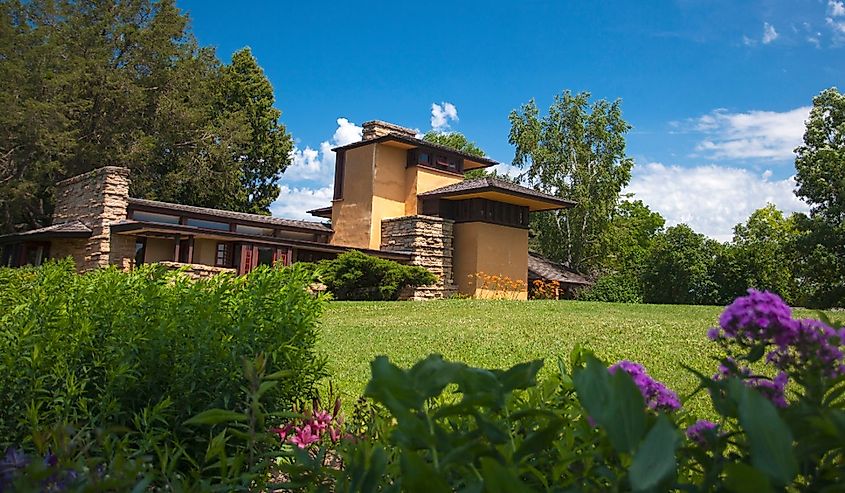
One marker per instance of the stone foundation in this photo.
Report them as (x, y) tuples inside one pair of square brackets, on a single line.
[(198, 271), (429, 241)]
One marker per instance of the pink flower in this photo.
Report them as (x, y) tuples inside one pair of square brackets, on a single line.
[(321, 420), (304, 436), (282, 432)]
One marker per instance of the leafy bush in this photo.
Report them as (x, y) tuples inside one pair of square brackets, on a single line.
[(443, 426), (618, 287), (146, 350), (356, 276)]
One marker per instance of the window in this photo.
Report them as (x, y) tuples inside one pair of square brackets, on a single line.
[(152, 217), (201, 223), (221, 259), (442, 160), (339, 170), (252, 230), (140, 250)]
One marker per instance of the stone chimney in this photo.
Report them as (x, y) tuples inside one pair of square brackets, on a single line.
[(376, 128), (97, 199)]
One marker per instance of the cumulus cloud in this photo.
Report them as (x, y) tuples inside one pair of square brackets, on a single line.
[(711, 199), (293, 202), (835, 9), (752, 135), (318, 164), (442, 114), (769, 33)]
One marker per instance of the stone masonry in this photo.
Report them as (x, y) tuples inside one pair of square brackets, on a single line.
[(429, 240), (97, 199), (198, 271)]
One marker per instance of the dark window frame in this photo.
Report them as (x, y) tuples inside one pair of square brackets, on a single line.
[(339, 172)]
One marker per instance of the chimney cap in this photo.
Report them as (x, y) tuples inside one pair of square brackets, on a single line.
[(374, 129)]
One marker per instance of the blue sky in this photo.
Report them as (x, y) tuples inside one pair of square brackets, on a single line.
[(716, 91)]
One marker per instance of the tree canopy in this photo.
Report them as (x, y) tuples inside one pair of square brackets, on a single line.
[(576, 151), (89, 83)]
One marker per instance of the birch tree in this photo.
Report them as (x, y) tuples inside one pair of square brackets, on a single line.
[(576, 151)]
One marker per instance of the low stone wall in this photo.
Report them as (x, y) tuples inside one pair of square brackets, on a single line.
[(429, 241), (198, 271)]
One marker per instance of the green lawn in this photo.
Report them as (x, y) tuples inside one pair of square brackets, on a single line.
[(496, 334)]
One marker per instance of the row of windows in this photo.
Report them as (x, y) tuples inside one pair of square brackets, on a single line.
[(433, 159), (482, 210), (154, 217)]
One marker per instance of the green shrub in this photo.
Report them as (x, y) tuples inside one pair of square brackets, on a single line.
[(618, 287), (147, 350), (356, 276)]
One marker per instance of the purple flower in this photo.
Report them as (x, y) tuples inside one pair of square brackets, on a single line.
[(774, 390), (713, 333), (815, 346), (657, 396), (698, 432), (760, 316)]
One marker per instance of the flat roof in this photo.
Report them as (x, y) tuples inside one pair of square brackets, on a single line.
[(230, 215), (483, 162), (70, 229), (325, 212), (500, 191)]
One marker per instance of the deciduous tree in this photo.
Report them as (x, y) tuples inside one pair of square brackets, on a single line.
[(576, 151)]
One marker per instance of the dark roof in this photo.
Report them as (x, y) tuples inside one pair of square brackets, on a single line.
[(136, 227), (489, 184), (413, 141), (325, 212), (232, 215), (70, 229), (544, 268)]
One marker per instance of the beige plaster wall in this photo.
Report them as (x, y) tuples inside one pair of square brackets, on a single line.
[(159, 249), (205, 251), (494, 250), (388, 189), (352, 214)]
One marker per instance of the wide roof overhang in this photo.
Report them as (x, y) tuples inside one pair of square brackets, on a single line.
[(403, 142), (500, 192), (152, 229)]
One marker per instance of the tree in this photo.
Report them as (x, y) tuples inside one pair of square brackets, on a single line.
[(762, 251), (264, 153), (89, 83), (820, 161), (632, 230), (679, 268), (577, 151)]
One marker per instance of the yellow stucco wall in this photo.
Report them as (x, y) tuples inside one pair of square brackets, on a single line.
[(351, 215), (388, 189), (493, 250), (421, 180), (159, 249)]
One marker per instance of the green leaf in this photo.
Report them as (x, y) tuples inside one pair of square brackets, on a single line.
[(391, 386), (521, 376), (614, 402), (769, 438), (539, 440), (499, 479), (419, 476), (215, 416), (742, 478), (654, 462)]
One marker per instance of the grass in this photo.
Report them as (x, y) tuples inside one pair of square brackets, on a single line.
[(497, 334)]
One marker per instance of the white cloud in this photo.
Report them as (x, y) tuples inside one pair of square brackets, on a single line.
[(293, 202), (711, 199), (318, 164), (769, 33), (753, 135), (441, 114), (835, 9)]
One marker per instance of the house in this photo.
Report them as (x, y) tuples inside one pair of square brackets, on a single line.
[(395, 196), (543, 271)]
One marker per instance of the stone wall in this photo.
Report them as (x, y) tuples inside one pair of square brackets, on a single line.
[(429, 241), (198, 271), (97, 199), (377, 128)]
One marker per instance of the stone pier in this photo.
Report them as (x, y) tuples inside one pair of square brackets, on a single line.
[(429, 241)]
